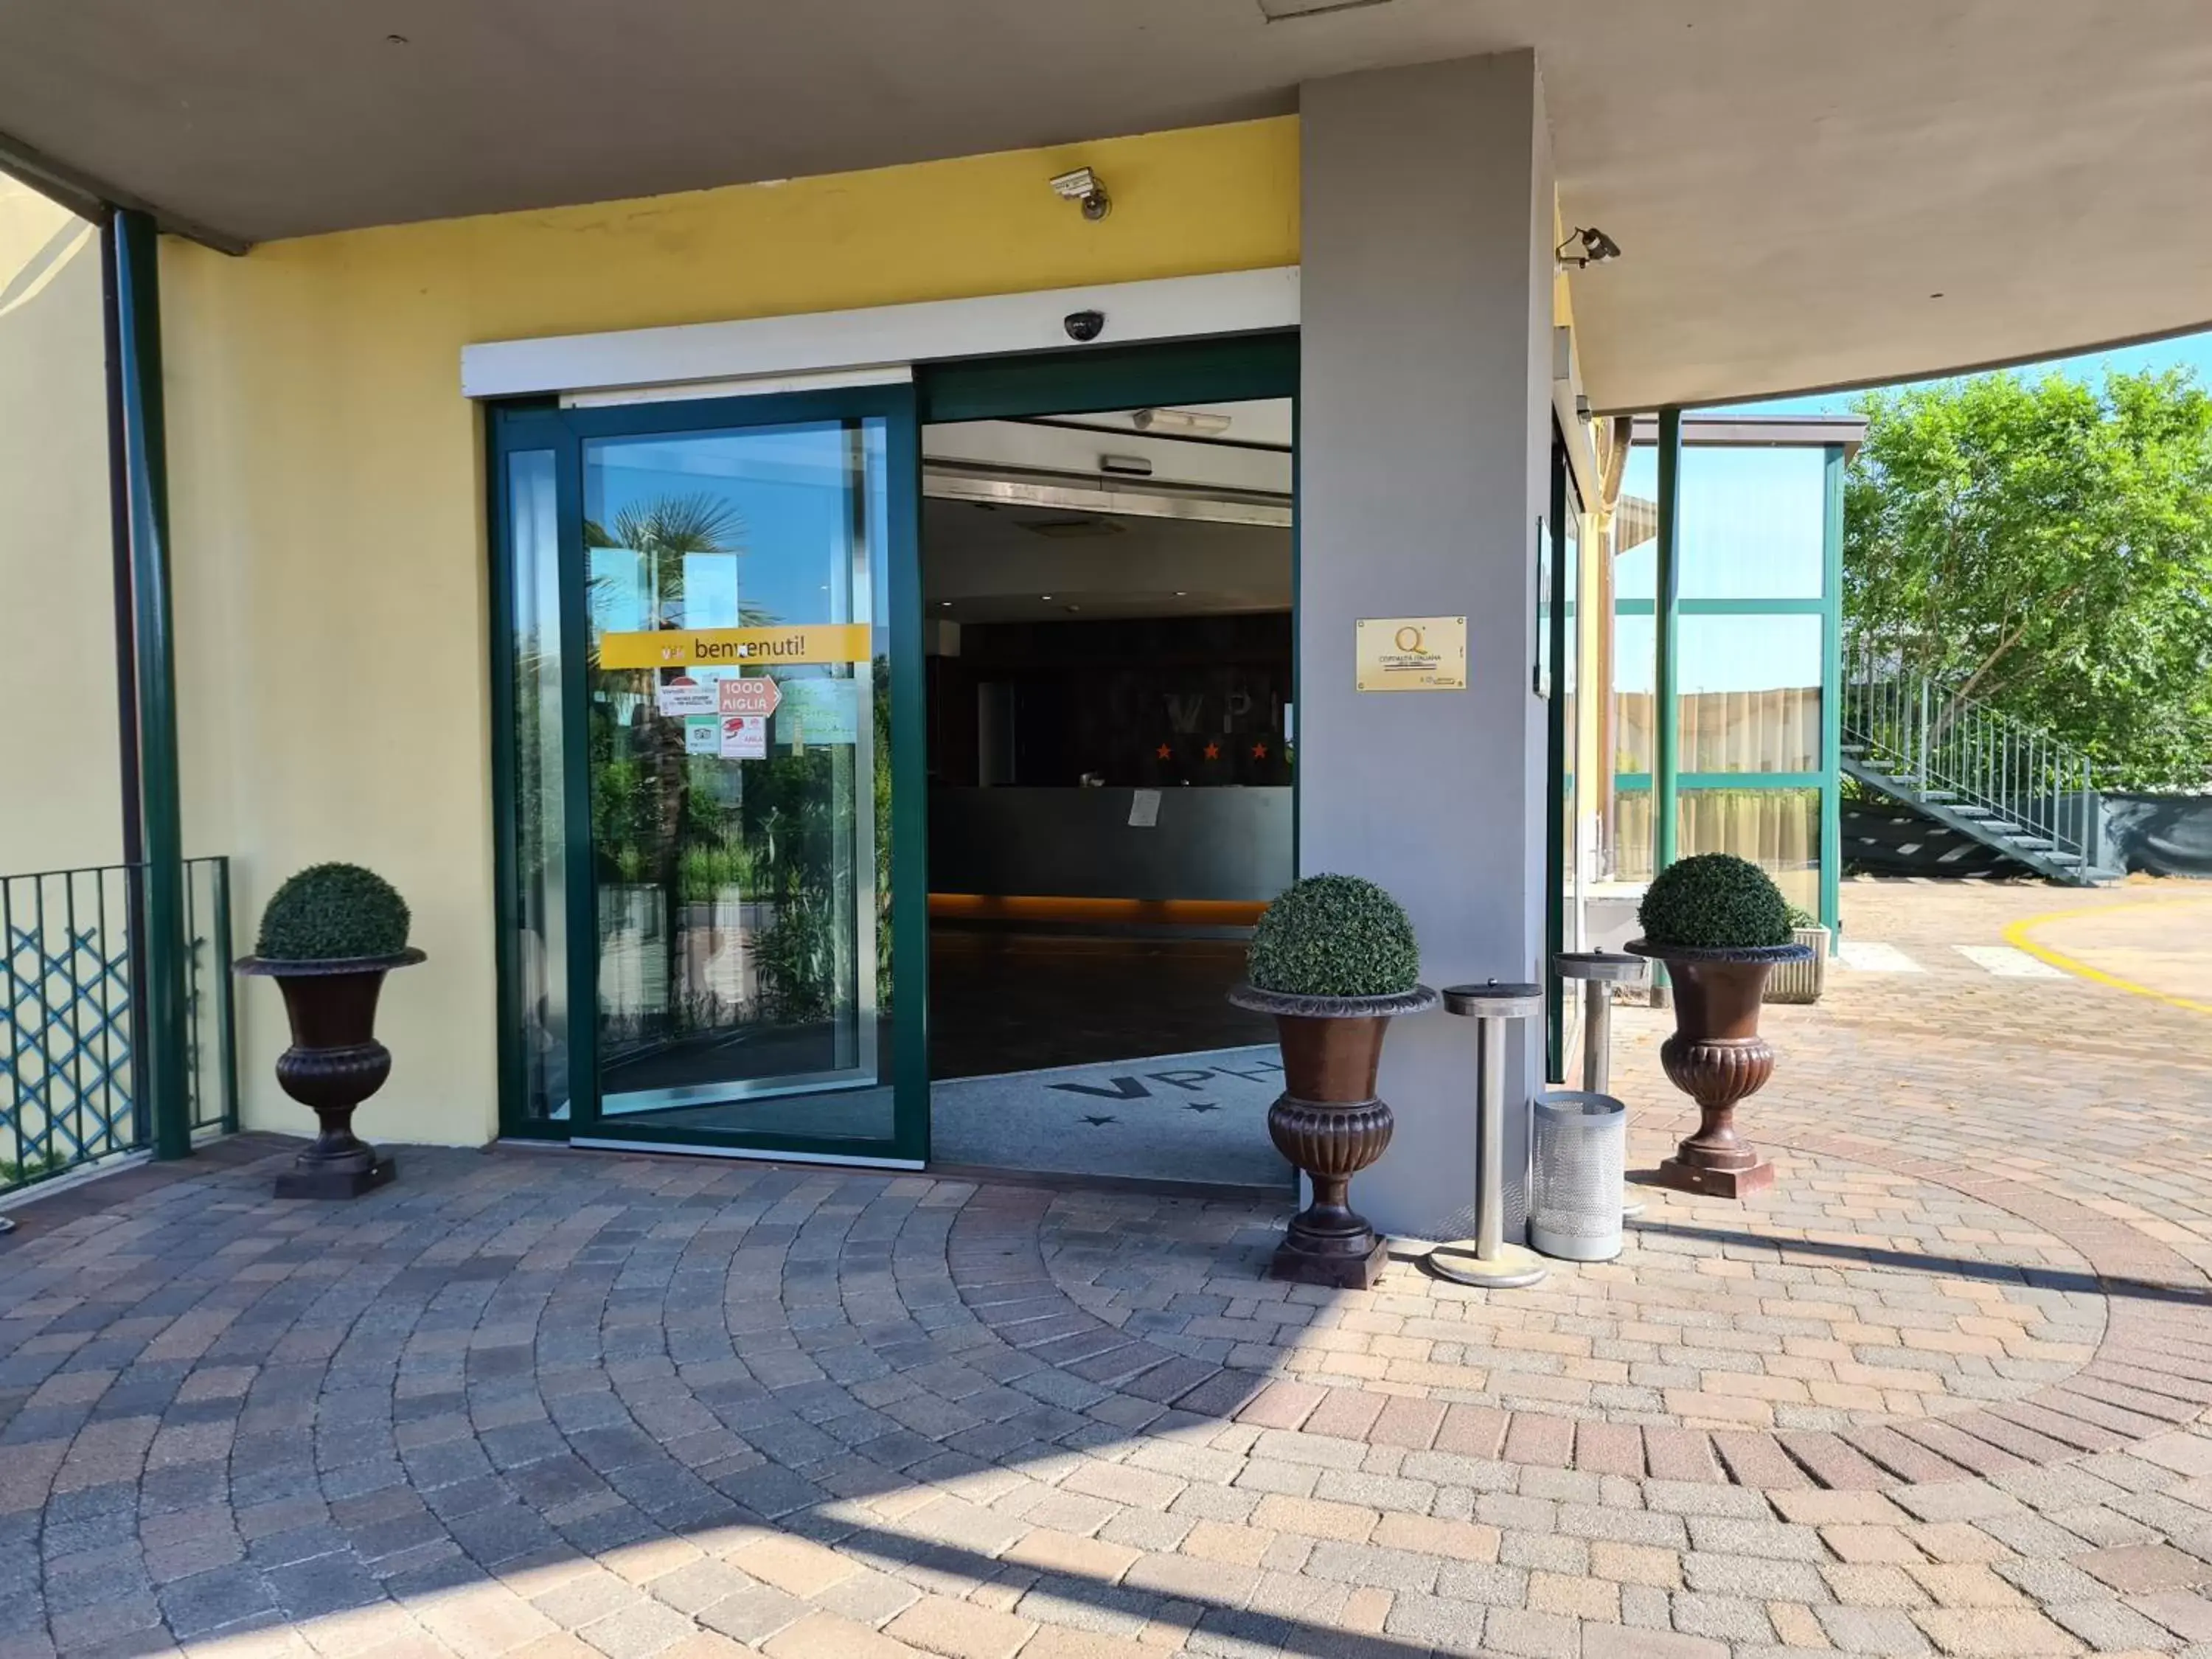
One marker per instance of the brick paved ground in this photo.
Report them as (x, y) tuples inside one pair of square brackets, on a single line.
[(1937, 1393)]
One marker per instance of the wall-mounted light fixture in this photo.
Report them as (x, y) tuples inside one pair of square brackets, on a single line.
[(1084, 186), (1586, 248), (1198, 423)]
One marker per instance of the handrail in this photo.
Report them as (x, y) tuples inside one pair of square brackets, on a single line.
[(1936, 742), (71, 1090)]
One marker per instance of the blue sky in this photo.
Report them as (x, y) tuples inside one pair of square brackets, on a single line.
[(789, 488), (2184, 351)]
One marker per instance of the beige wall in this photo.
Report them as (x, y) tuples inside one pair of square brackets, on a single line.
[(328, 511), (60, 803)]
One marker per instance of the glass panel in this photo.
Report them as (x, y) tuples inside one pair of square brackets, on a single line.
[(1749, 693), (1753, 522), (1629, 835), (541, 945), (1635, 683), (1779, 829), (1634, 527), (741, 937)]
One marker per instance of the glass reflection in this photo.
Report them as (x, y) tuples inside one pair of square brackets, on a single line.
[(741, 949), (1753, 523), (1779, 829), (540, 972), (1748, 692)]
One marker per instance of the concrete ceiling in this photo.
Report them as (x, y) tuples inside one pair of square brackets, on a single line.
[(1792, 181)]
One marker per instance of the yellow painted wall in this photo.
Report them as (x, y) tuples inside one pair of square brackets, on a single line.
[(328, 498), (60, 799)]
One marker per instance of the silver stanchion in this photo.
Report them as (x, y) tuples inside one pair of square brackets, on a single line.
[(1486, 1261), (1600, 971)]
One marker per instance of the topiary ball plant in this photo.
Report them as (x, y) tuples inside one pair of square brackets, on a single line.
[(333, 912), (1714, 902), (1335, 936)]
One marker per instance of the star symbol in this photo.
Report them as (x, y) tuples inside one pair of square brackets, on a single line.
[(1097, 1123), (1213, 752), (1202, 1106), (1164, 752), (1259, 752)]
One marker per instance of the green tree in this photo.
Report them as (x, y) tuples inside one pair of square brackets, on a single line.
[(2045, 547), (666, 530), (642, 804)]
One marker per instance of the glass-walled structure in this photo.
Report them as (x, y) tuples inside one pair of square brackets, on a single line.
[(1755, 617)]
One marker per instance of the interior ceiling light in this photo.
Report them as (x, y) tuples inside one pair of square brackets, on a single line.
[(1586, 248), (1283, 11), (1202, 422), (1084, 186)]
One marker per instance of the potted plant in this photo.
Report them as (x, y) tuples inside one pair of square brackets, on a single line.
[(1333, 959), (1721, 925), (328, 938), (1801, 981)]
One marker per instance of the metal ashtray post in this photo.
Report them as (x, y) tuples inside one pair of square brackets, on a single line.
[(1486, 1261), (1600, 971)]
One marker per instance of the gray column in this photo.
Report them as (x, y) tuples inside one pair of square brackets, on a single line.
[(1425, 444)]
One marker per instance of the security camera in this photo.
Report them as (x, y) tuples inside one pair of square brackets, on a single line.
[(1084, 186), (1084, 326), (1586, 248)]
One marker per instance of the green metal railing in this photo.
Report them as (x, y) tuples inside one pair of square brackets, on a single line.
[(2018, 789), (72, 1085)]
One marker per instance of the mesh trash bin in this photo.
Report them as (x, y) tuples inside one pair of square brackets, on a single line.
[(1578, 1153)]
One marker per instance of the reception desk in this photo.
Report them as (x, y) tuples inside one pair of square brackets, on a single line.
[(1216, 845)]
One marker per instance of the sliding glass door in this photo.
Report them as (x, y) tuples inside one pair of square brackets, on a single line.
[(705, 870)]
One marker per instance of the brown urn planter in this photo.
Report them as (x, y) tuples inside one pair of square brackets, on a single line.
[(335, 1063), (1330, 1124), (1717, 1058)]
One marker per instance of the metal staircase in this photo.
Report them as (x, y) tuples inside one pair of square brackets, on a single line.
[(1963, 763)]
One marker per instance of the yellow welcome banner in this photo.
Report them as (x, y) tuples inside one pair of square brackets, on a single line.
[(734, 648)]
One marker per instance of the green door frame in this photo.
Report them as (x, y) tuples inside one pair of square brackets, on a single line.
[(1230, 369), (1831, 698), (1666, 781), (138, 449), (540, 425), (1235, 368), (1559, 742), (1218, 369)]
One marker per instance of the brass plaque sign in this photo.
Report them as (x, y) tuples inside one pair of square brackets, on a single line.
[(1413, 653)]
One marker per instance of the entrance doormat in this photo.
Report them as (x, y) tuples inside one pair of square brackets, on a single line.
[(1178, 1117)]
